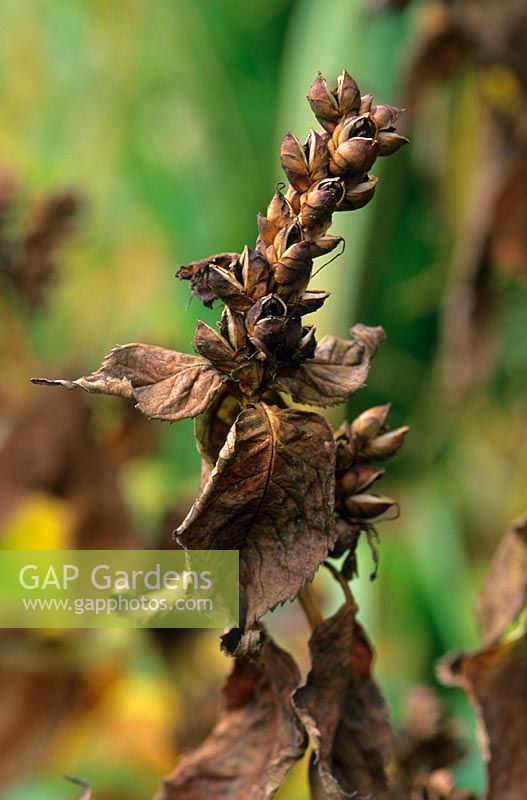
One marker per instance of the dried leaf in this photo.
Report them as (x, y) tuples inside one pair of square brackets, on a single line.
[(256, 739), (496, 681), (344, 712), (271, 497), (504, 593), (339, 369), (165, 384)]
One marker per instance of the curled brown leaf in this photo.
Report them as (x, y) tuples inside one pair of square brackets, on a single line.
[(495, 679), (344, 712), (256, 739), (504, 593)]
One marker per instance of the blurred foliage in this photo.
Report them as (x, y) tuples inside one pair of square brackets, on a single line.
[(166, 116)]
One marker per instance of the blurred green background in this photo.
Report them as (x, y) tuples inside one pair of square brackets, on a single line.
[(167, 117)]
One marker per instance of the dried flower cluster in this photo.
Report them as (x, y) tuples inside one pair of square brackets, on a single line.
[(277, 484)]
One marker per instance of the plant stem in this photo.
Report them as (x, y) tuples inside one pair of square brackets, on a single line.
[(310, 606), (343, 583)]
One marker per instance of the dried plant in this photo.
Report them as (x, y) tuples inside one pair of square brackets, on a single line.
[(277, 484)]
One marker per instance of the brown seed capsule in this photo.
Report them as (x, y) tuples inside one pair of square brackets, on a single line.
[(348, 94), (366, 102), (227, 288), (358, 194), (232, 326), (357, 479), (249, 375), (319, 203), (368, 506), (390, 142), (387, 444), (309, 301), (369, 424), (354, 156), (385, 116), (363, 126), (256, 273), (294, 163), (278, 216), (317, 156), (211, 344), (308, 343), (287, 237), (323, 103), (270, 306)]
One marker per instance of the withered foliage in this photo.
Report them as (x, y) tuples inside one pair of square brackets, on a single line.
[(344, 712), (495, 677), (256, 740), (277, 484)]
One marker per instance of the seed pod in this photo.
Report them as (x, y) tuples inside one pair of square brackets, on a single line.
[(249, 375), (353, 128), (387, 444), (211, 344), (358, 194), (316, 151), (227, 288), (369, 424), (270, 306), (308, 343), (366, 102), (368, 506), (309, 301), (358, 479), (323, 103), (319, 203), (294, 163), (390, 142), (385, 116), (354, 156), (232, 328), (197, 272), (287, 238), (256, 273), (348, 94)]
